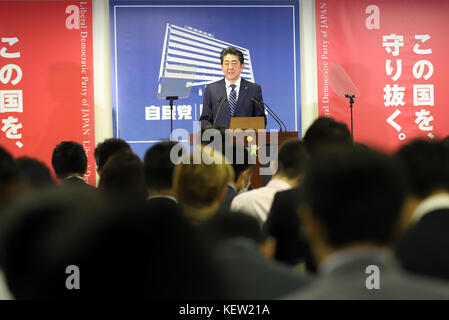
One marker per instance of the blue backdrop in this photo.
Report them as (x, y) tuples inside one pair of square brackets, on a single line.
[(269, 30)]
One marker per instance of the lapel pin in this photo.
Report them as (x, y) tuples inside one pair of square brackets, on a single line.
[(246, 88)]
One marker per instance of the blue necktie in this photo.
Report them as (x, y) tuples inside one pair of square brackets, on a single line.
[(232, 99)]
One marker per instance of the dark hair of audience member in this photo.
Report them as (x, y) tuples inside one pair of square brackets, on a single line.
[(26, 255), (9, 170), (69, 157), (9, 177), (445, 140), (292, 158), (122, 250), (108, 148), (123, 176), (326, 131), (426, 165), (356, 193), (158, 166), (229, 225), (34, 173)]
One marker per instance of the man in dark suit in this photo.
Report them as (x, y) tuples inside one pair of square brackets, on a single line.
[(243, 170), (106, 149), (424, 247), (69, 161), (351, 209), (243, 257), (159, 170), (233, 92), (283, 222)]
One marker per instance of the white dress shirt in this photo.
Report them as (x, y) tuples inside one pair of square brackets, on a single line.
[(432, 203), (237, 88), (257, 202)]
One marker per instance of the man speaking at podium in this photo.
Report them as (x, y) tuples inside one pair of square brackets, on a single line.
[(231, 96)]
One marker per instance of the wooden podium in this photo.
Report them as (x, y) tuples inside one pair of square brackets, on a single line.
[(257, 124), (238, 124), (243, 123)]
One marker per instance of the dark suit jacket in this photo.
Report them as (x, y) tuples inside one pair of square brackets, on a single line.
[(244, 108), (77, 182), (226, 204), (250, 276), (348, 282), (162, 204), (283, 224), (424, 247)]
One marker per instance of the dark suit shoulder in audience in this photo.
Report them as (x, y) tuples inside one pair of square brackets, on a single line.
[(234, 240), (348, 279), (283, 224), (424, 247), (76, 182), (249, 275), (230, 194)]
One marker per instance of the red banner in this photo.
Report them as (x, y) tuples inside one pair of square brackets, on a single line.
[(46, 78), (394, 54)]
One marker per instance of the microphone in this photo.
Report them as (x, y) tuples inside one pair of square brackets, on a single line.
[(211, 113), (271, 113), (219, 108)]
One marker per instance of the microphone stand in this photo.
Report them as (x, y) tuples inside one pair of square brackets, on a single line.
[(351, 101), (219, 108), (270, 112), (212, 110), (171, 99)]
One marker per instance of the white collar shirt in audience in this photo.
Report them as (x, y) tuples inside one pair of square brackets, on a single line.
[(257, 202), (5, 294), (432, 203)]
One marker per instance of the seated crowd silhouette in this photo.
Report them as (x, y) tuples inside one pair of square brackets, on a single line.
[(337, 220)]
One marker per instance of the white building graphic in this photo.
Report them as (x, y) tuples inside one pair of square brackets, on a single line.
[(193, 54)]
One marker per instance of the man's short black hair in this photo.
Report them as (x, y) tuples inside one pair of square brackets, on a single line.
[(107, 148), (123, 176), (292, 158), (69, 157), (355, 193), (34, 172), (426, 165), (326, 131), (158, 166), (233, 51)]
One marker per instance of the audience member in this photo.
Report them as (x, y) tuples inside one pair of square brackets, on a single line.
[(352, 203), (243, 169), (424, 246), (69, 162), (291, 165), (283, 222), (120, 249), (25, 239), (200, 183), (241, 252), (106, 149), (159, 169), (9, 178), (123, 176), (34, 173), (324, 132)]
